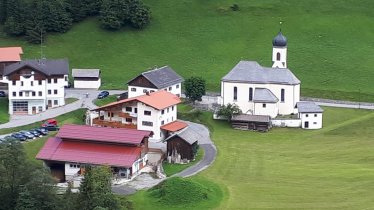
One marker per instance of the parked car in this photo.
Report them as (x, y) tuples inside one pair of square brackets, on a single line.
[(2, 94), (42, 131), (35, 133), (103, 94), (51, 127), (28, 134), (49, 122), (8, 138), (19, 136)]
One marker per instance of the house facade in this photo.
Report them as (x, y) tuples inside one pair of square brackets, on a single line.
[(182, 145), (36, 85), (78, 146), (148, 112), (310, 115), (86, 78), (163, 78)]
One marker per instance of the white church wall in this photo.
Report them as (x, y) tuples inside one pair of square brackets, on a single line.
[(292, 123), (282, 62), (270, 109)]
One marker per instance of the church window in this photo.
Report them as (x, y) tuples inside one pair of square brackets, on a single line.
[(250, 94), (278, 56), (263, 105), (235, 93), (282, 95)]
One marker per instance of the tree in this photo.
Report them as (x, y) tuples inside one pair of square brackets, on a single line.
[(194, 88), (228, 111), (3, 11), (140, 16), (110, 15), (95, 190)]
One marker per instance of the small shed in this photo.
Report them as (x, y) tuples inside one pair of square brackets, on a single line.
[(311, 114), (86, 78), (182, 146), (251, 122)]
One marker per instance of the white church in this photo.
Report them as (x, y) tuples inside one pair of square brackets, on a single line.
[(273, 92)]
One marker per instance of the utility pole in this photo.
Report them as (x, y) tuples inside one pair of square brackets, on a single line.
[(359, 98)]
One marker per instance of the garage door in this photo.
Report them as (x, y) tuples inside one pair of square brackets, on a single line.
[(20, 107)]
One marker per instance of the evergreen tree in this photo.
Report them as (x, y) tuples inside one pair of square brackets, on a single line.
[(15, 17), (195, 88), (3, 11), (77, 10), (110, 15), (140, 16)]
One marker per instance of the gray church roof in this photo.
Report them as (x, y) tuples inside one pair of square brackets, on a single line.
[(252, 72), (162, 77), (187, 134), (308, 107), (46, 66), (264, 95), (91, 73)]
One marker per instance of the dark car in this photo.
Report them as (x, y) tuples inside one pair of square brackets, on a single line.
[(2, 94), (50, 127), (19, 136), (35, 133), (28, 134), (103, 94), (41, 131)]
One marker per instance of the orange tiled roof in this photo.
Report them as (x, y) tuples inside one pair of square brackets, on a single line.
[(174, 126), (158, 100), (8, 54)]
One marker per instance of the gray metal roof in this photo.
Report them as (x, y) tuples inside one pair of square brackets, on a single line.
[(264, 95), (252, 72), (46, 66), (92, 73), (187, 134), (308, 107), (162, 77), (251, 118)]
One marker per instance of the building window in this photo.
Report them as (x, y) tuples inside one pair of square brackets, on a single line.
[(27, 94), (40, 93), (172, 108), (315, 115), (21, 83), (55, 80), (20, 94), (177, 86), (235, 93), (129, 120), (166, 89), (49, 92), (110, 114), (163, 111), (152, 91), (14, 82), (55, 102), (147, 123), (49, 81), (40, 108), (278, 56), (162, 122), (14, 94), (147, 113), (133, 89), (250, 94), (168, 110), (263, 105), (282, 95), (32, 83), (40, 82), (145, 90), (306, 115), (315, 123), (55, 92), (136, 110), (33, 93), (128, 109), (170, 88), (66, 78)]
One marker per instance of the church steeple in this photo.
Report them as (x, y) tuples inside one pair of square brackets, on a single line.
[(280, 51)]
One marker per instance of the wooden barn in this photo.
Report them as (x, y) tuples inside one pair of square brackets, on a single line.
[(251, 122), (182, 146)]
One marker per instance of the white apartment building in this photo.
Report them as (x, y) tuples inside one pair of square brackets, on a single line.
[(163, 78), (156, 112), (36, 85)]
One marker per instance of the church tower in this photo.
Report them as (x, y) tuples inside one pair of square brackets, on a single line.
[(280, 51)]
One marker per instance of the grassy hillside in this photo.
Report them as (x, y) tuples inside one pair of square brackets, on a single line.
[(330, 43)]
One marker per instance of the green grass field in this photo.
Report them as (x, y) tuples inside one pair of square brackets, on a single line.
[(105, 101), (4, 116), (329, 48)]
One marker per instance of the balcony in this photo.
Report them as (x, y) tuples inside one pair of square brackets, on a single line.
[(114, 124)]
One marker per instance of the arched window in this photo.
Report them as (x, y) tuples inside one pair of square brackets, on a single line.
[(235, 93), (278, 56), (250, 94), (282, 95)]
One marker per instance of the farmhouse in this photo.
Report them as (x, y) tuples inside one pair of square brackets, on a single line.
[(154, 111), (86, 78), (76, 146), (36, 85), (259, 90), (163, 78), (310, 115), (182, 146)]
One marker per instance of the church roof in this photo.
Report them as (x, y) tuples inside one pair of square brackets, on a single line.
[(308, 107), (279, 40), (264, 95), (252, 72)]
